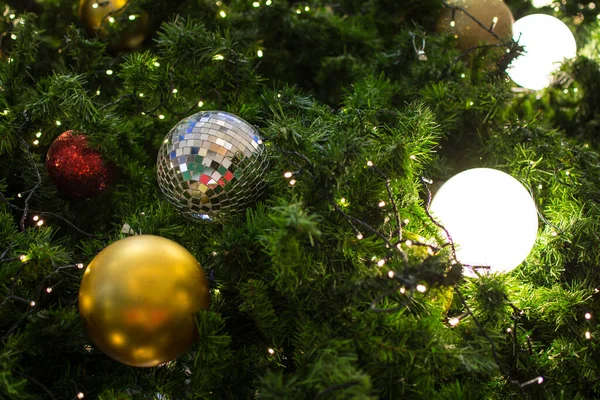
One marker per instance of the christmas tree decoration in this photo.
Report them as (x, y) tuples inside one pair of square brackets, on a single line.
[(490, 217), (211, 163), (102, 17), (547, 42), (138, 297), (78, 171), (472, 28)]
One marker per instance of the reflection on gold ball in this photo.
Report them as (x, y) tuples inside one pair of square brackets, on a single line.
[(105, 16), (470, 34), (138, 297)]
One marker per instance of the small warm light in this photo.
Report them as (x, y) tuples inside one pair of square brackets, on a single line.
[(174, 91), (268, 2), (12, 16), (288, 175), (292, 182), (391, 274), (495, 20), (58, 123), (471, 103), (111, 20), (200, 103), (40, 222), (454, 321), (32, 303), (554, 233), (223, 14), (79, 266), (575, 90), (369, 163), (23, 257), (547, 42), (509, 330), (402, 290), (259, 53), (421, 288), (343, 200), (132, 17), (19, 195), (80, 395), (360, 236), (381, 203), (36, 142), (452, 24), (541, 3), (97, 92), (307, 8), (218, 57), (38, 135), (409, 243), (216, 291), (271, 351), (540, 380), (95, 5), (588, 315), (490, 216), (381, 263), (36, 217), (156, 64), (462, 76), (109, 72), (298, 11), (161, 116), (13, 36), (256, 4), (48, 290), (588, 335), (141, 94)]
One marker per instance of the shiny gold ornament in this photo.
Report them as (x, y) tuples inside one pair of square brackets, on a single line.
[(138, 297), (107, 17), (493, 14)]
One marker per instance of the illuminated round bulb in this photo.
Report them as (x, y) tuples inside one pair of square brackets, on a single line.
[(109, 72), (588, 316), (95, 5), (80, 395), (132, 17), (259, 53), (36, 218), (547, 42), (111, 20), (268, 2), (256, 4), (381, 263), (369, 163), (40, 222), (161, 116), (175, 91), (287, 175), (490, 216), (421, 288), (588, 335), (540, 380), (359, 236), (391, 274), (381, 203), (80, 266), (454, 321), (36, 142), (223, 14), (23, 257), (49, 290), (402, 290), (271, 351), (32, 304), (292, 182), (200, 103)]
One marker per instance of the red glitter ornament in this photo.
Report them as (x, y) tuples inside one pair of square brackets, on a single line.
[(77, 170)]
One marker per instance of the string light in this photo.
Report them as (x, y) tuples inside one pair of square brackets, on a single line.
[(292, 182), (588, 335), (256, 4), (288, 175), (216, 291), (381, 203), (58, 123), (509, 330), (268, 2), (79, 266), (141, 94), (111, 20), (19, 195), (200, 103), (223, 14), (40, 222), (271, 351), (391, 274), (48, 290), (156, 64), (12, 16), (98, 92), (175, 91), (259, 53), (369, 163), (23, 258), (109, 72), (36, 142), (95, 5), (161, 116), (452, 24), (402, 290), (132, 17), (413, 157), (80, 395), (381, 263), (453, 321), (307, 8), (32, 303), (36, 217), (588, 315), (359, 236), (218, 57), (462, 76), (421, 288)]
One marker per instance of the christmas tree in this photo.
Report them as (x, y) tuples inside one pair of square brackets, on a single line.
[(323, 131)]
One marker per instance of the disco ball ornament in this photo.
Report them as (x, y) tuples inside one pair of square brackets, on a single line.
[(211, 164), (490, 216), (78, 171), (112, 21), (138, 298), (493, 14)]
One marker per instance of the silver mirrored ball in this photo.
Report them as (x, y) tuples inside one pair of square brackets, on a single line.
[(210, 164)]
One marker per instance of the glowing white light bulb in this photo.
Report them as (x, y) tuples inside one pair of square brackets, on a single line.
[(490, 216), (541, 3), (547, 42), (454, 321)]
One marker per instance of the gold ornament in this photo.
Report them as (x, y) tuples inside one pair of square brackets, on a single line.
[(138, 297), (493, 14), (102, 17)]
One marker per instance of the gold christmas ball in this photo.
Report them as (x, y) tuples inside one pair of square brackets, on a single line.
[(138, 297), (493, 14), (106, 17)]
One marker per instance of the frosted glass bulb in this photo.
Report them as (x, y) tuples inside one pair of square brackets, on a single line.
[(490, 216), (547, 42)]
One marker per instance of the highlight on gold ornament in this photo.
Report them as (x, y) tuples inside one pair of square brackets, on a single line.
[(484, 22), (138, 298), (115, 21)]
